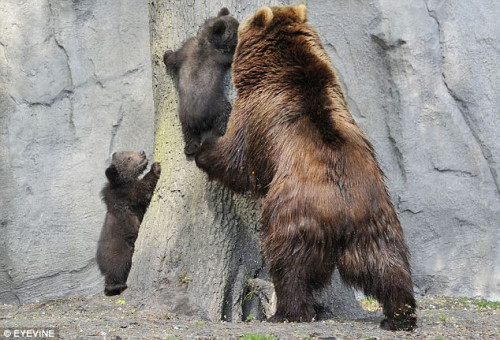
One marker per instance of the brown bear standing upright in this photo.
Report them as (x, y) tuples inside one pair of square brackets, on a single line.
[(291, 138), (127, 198)]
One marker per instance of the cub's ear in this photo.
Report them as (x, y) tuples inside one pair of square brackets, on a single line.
[(301, 12), (219, 27), (112, 174), (223, 11), (263, 17)]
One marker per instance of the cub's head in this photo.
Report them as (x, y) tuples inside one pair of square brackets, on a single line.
[(221, 31), (126, 166)]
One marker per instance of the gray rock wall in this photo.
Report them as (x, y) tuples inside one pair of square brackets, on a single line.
[(422, 78), (75, 85)]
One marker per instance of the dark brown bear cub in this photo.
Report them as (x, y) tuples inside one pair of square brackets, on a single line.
[(291, 138), (127, 197), (200, 65)]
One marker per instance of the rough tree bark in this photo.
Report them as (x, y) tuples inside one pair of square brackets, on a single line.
[(198, 247)]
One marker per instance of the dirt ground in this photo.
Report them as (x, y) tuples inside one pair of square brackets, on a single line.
[(102, 317)]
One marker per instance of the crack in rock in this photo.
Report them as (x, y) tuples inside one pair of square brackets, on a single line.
[(389, 47), (463, 109), (394, 110), (115, 128), (68, 92), (397, 152), (460, 173), (94, 74), (63, 94), (84, 268)]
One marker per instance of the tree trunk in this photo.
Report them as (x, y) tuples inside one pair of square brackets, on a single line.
[(198, 248)]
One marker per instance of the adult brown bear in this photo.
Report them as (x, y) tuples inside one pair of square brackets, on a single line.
[(291, 138)]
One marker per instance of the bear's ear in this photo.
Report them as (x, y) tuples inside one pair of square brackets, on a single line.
[(301, 12), (219, 27), (263, 17), (223, 11), (112, 174)]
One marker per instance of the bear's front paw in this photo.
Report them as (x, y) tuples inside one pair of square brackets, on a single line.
[(156, 168), (167, 57), (201, 158), (191, 147)]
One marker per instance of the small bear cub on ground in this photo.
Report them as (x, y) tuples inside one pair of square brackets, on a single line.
[(200, 66), (127, 197)]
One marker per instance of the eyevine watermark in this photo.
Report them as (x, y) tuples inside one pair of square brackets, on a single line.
[(29, 333)]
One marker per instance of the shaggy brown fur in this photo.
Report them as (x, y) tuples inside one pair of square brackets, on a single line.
[(127, 199), (200, 65), (291, 138)]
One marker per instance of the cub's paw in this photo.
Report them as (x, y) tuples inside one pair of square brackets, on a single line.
[(156, 168), (168, 58), (191, 147), (114, 289)]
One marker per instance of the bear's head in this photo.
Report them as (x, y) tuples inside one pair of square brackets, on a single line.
[(267, 17), (271, 40), (126, 166), (221, 31)]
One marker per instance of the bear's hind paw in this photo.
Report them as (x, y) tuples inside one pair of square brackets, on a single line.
[(114, 289), (407, 323)]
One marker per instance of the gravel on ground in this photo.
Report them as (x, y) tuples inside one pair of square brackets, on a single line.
[(101, 317)]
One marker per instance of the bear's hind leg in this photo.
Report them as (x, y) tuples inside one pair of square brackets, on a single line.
[(380, 268), (119, 261), (295, 302), (301, 261), (115, 280), (113, 288)]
